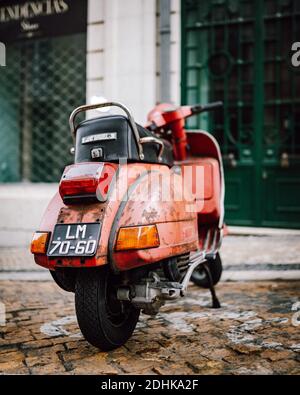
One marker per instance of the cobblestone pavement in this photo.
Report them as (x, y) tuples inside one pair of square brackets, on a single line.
[(254, 332)]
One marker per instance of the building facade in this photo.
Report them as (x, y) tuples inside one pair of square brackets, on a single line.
[(142, 52)]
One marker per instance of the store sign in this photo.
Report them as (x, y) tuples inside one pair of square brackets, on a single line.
[(27, 19)]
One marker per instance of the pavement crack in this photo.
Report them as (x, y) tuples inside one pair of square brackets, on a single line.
[(192, 367)]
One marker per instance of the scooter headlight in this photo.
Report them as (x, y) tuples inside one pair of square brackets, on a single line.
[(137, 237)]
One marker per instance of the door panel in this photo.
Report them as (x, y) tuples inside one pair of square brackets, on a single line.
[(281, 117), (238, 51), (281, 197), (218, 64), (238, 183)]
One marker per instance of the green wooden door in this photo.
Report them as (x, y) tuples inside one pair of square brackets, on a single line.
[(239, 52), (280, 146)]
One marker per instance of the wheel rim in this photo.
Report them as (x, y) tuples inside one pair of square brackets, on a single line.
[(199, 274), (117, 311)]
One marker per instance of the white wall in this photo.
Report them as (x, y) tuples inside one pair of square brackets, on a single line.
[(175, 53), (21, 208), (121, 63)]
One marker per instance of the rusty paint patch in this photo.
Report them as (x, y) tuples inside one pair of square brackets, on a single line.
[(150, 215)]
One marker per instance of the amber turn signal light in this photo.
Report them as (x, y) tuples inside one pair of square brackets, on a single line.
[(138, 237), (39, 243)]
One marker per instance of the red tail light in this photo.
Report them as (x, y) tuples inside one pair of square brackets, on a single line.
[(86, 180)]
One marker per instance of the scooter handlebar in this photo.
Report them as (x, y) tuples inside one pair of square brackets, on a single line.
[(198, 108)]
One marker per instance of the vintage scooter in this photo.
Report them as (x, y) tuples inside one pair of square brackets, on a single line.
[(137, 216)]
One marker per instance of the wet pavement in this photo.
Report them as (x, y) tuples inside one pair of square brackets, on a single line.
[(256, 331)]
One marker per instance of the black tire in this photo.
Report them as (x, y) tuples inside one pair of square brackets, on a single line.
[(65, 278), (105, 322), (199, 276)]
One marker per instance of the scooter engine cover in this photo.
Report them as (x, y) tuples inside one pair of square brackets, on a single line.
[(110, 138)]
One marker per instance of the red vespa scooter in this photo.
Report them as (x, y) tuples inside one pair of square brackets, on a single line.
[(137, 216)]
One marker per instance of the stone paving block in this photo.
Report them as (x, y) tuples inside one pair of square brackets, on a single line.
[(51, 368), (11, 366), (96, 364)]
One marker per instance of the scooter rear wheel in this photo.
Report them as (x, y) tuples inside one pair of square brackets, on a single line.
[(105, 322), (199, 276)]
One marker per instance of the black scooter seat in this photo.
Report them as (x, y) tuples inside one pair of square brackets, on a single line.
[(110, 138)]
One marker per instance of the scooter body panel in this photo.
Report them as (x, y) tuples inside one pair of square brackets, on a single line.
[(157, 197), (135, 198)]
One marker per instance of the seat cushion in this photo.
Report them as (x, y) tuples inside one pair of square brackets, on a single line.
[(112, 139)]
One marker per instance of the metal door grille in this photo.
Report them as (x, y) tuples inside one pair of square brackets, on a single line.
[(10, 108), (42, 83), (282, 81), (218, 64)]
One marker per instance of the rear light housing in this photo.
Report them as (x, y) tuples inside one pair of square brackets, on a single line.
[(86, 181), (137, 237), (39, 243)]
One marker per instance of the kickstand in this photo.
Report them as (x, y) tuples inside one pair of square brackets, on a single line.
[(215, 301)]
